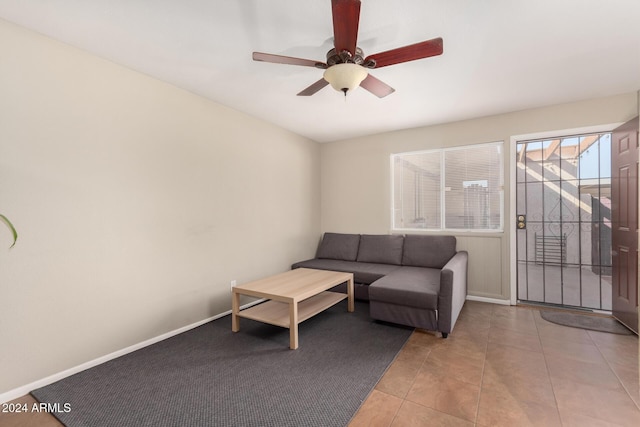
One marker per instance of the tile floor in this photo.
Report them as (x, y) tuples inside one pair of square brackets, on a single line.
[(506, 366), (501, 366)]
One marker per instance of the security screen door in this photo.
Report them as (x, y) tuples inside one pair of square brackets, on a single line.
[(563, 200)]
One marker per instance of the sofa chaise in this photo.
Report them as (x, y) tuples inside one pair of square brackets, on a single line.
[(413, 280)]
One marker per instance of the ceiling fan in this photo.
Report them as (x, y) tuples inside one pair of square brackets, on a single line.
[(346, 66)]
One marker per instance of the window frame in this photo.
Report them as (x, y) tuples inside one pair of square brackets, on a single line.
[(442, 191)]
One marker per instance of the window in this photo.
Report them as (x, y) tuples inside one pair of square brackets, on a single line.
[(450, 189)]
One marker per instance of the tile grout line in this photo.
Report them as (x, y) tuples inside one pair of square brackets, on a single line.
[(595, 343), (405, 395), (546, 364), (395, 359), (404, 398), (484, 367)]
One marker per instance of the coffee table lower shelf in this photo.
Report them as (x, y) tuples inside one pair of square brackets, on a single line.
[(277, 313)]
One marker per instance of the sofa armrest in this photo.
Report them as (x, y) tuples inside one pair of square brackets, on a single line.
[(453, 291)]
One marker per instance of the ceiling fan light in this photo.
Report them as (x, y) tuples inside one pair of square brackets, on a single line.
[(345, 77)]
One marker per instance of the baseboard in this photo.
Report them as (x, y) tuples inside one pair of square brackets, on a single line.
[(489, 300), (25, 389)]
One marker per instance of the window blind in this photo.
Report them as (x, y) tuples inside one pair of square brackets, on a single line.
[(458, 188)]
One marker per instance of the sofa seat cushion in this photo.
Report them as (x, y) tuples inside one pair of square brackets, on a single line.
[(363, 272), (408, 286)]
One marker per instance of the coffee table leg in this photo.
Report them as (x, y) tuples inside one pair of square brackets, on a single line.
[(235, 309), (293, 325), (350, 303)]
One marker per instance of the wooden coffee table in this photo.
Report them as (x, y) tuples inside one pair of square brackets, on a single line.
[(294, 297)]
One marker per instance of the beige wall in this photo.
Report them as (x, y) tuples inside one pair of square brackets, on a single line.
[(136, 204), (355, 176)]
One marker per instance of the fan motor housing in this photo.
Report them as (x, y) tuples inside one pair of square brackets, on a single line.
[(346, 57)]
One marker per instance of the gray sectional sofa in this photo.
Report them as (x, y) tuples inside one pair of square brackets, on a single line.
[(413, 280)]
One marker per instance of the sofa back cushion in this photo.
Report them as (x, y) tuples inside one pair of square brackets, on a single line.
[(428, 251), (339, 246), (382, 249)]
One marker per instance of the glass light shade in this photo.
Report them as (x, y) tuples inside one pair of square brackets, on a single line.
[(345, 77)]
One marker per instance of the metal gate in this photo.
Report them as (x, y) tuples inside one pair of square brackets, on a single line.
[(563, 202)]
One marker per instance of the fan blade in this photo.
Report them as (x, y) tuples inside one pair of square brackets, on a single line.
[(279, 59), (377, 87), (314, 88), (407, 53), (346, 16)]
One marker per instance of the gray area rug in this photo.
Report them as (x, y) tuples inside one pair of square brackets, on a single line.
[(210, 376), (584, 321)]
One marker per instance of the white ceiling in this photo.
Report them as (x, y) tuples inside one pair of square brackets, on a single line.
[(499, 55)]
